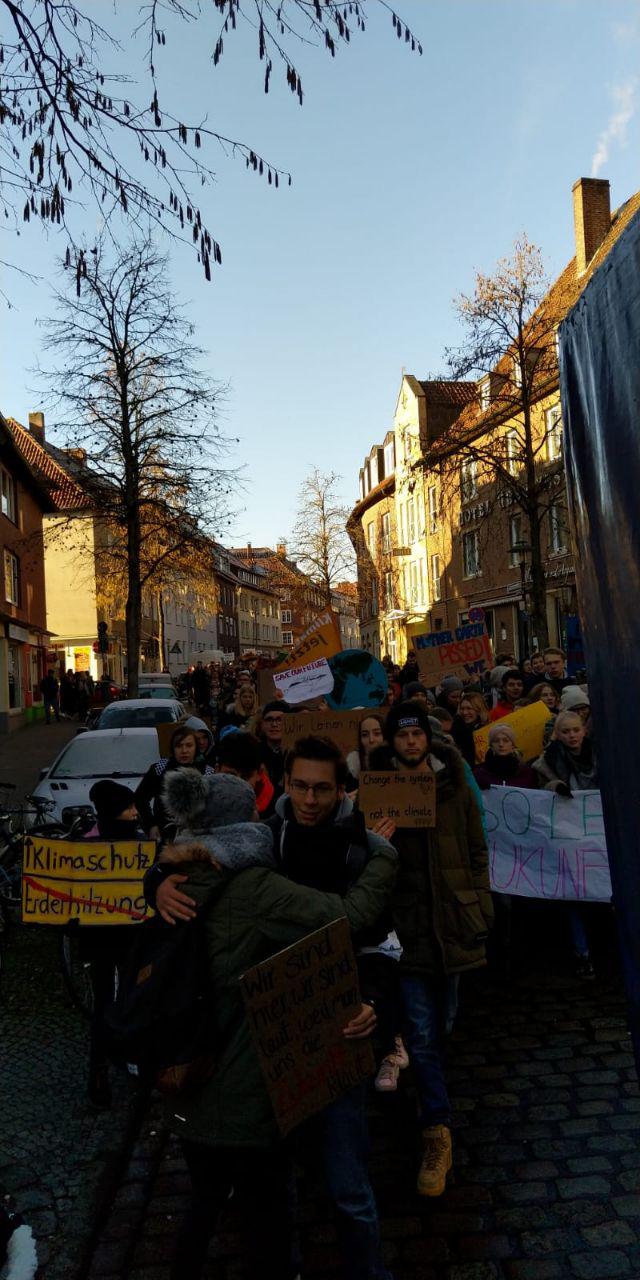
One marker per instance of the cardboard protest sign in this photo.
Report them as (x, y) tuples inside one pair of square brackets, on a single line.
[(528, 724), (360, 680), (341, 726), (92, 881), (266, 688), (165, 733), (297, 1004), (466, 651), (320, 640), (297, 684), (542, 845), (408, 798)]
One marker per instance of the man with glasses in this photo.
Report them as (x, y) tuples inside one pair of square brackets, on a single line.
[(270, 735), (322, 843)]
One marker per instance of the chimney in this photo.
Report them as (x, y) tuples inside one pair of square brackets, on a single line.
[(281, 548), (36, 426), (591, 218)]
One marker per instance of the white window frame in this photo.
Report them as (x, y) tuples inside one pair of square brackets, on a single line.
[(476, 571), (436, 580), (512, 442), (390, 458), (553, 429), (468, 479), (11, 577), (385, 532), (286, 615), (515, 535), (388, 591), (434, 507), (287, 637), (411, 522), (8, 496), (557, 530), (484, 391), (371, 538), (517, 372)]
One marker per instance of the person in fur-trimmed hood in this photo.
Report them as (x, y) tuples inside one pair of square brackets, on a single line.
[(442, 912)]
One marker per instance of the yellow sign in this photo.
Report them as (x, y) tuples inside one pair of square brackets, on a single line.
[(528, 725), (320, 640), (91, 881), (82, 659)]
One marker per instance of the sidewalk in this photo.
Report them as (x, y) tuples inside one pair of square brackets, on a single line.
[(547, 1166), (24, 753)]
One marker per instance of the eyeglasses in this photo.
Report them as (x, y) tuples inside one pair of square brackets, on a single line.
[(272, 720), (321, 789)]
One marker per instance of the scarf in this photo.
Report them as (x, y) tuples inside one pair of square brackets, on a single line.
[(580, 772), (318, 857)]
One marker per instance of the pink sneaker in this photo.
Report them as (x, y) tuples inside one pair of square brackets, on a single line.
[(387, 1078), (401, 1057)]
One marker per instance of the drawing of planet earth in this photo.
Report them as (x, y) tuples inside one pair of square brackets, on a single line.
[(359, 680)]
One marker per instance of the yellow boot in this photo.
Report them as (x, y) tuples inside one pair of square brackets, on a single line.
[(436, 1161)]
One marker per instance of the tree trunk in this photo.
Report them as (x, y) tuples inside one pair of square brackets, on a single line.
[(133, 613), (538, 589), (161, 633)]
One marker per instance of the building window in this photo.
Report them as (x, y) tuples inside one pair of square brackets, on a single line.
[(389, 458), (388, 591), (515, 535), (8, 496), (485, 394), (513, 452), (553, 423), (468, 479), (470, 554), (415, 583), (286, 615), (287, 637), (557, 529), (371, 539), (373, 470), (411, 522), (13, 675), (386, 533), (374, 598), (436, 588), (517, 371), (362, 493), (11, 578), (432, 498)]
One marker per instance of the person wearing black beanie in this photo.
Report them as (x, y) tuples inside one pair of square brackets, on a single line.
[(115, 806)]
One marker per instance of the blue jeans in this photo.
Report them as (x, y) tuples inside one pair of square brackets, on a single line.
[(344, 1141), (579, 939), (426, 1004)]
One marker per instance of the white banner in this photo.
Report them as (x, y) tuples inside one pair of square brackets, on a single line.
[(542, 845), (298, 684)]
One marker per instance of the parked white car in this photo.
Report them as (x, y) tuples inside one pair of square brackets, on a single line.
[(125, 754), (139, 713)]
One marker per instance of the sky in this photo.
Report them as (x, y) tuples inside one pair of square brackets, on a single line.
[(409, 174)]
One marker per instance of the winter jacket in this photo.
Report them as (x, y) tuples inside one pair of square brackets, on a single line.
[(462, 734), (249, 915), (148, 795), (558, 767), (441, 906), (505, 771), (501, 710)]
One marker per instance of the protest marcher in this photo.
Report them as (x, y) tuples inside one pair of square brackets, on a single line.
[(414, 689), (537, 671), (411, 669), (555, 669), (200, 686), (68, 704), (541, 692), (574, 698), (50, 690), (511, 691), (503, 765), (370, 736), (204, 738), (472, 714), (184, 754), (444, 717), (568, 764), (451, 690), (116, 819), (84, 694), (442, 912), (241, 753), (269, 733), (243, 708), (227, 1125)]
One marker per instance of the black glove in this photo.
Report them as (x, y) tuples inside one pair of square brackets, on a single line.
[(563, 789)]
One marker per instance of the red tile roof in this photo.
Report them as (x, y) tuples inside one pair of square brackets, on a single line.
[(65, 494), (441, 392)]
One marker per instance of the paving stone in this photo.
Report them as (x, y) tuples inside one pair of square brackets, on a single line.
[(609, 1234), (523, 1269), (600, 1264), (627, 1206), (590, 1164), (594, 1185)]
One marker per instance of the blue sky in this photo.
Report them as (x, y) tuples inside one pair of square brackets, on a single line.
[(409, 174)]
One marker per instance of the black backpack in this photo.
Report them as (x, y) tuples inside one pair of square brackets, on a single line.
[(161, 1017)]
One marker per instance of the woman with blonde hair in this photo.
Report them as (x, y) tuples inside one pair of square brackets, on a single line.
[(472, 714)]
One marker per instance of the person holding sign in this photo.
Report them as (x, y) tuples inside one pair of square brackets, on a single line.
[(442, 913)]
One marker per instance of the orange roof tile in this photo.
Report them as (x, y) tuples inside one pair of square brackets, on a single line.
[(65, 494)]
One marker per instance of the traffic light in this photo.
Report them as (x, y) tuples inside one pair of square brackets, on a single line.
[(103, 638)]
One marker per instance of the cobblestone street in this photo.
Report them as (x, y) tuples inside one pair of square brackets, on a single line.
[(547, 1168), (57, 1156)]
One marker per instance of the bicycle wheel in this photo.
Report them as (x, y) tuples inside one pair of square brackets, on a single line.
[(76, 973)]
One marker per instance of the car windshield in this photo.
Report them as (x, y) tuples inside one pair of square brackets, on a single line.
[(106, 757), (156, 691), (137, 717)]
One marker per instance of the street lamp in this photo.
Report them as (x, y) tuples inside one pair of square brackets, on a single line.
[(521, 549)]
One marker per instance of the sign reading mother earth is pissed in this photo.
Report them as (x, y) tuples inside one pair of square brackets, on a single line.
[(463, 652), (297, 1004)]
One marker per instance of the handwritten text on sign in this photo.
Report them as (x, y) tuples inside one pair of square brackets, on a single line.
[(320, 640), (93, 882), (408, 798), (341, 726), (297, 1004), (465, 651), (542, 845), (298, 684)]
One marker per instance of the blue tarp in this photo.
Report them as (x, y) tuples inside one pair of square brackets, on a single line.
[(600, 390)]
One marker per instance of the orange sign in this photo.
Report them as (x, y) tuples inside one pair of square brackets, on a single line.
[(320, 640)]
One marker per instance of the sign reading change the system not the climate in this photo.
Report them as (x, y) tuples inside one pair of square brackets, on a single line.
[(464, 652), (92, 881), (408, 799), (297, 1004)]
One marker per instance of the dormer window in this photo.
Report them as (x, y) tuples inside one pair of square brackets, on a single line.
[(485, 394)]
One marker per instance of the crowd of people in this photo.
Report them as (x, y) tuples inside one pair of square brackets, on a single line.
[(265, 846)]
